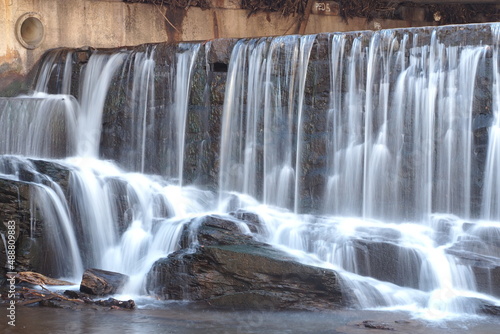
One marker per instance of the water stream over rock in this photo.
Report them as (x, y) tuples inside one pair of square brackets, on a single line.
[(374, 155)]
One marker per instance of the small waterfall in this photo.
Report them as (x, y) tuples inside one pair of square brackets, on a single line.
[(147, 110), (60, 233), (142, 93), (344, 168), (105, 218), (130, 219), (52, 68), (185, 64), (491, 209), (48, 201), (269, 123), (415, 109), (240, 145), (98, 74), (40, 125)]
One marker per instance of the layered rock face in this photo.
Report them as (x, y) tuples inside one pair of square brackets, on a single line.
[(229, 269), (18, 203)]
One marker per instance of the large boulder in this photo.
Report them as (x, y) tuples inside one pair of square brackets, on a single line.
[(229, 269), (102, 282)]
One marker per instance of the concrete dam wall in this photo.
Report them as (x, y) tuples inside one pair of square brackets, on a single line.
[(31, 27)]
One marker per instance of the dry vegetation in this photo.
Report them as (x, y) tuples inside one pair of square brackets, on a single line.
[(370, 9)]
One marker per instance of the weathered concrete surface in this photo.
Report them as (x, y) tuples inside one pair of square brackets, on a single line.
[(113, 23), (104, 23)]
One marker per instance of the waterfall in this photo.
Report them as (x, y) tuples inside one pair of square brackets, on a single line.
[(41, 125), (96, 80), (398, 172), (491, 208), (240, 145), (269, 124), (362, 153)]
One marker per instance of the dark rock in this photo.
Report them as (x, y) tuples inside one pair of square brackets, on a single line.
[(251, 219), (486, 269), (102, 282), (376, 325), (213, 230), (23, 202), (56, 171), (77, 295), (244, 276), (490, 309), (388, 262), (220, 50), (117, 304), (110, 303), (231, 270), (64, 304), (15, 206)]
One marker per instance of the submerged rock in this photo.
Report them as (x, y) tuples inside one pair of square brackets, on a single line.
[(376, 325), (102, 282), (229, 269)]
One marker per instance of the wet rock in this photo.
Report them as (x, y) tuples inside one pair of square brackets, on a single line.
[(117, 304), (376, 325), (38, 279), (72, 300), (64, 304), (77, 295), (220, 50), (231, 270), (244, 276), (251, 219), (490, 309), (102, 282), (81, 304), (56, 171), (486, 269), (388, 262), (15, 206), (214, 230)]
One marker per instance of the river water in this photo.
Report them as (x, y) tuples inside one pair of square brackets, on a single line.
[(179, 318)]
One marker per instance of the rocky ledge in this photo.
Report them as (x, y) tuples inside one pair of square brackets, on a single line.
[(229, 269)]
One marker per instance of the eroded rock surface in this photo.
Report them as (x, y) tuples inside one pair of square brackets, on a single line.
[(229, 269)]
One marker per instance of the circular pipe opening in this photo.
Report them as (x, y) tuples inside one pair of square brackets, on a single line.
[(30, 30)]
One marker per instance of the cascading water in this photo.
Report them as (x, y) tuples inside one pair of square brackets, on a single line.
[(393, 161), (41, 125), (274, 96), (124, 221), (491, 197), (399, 137)]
